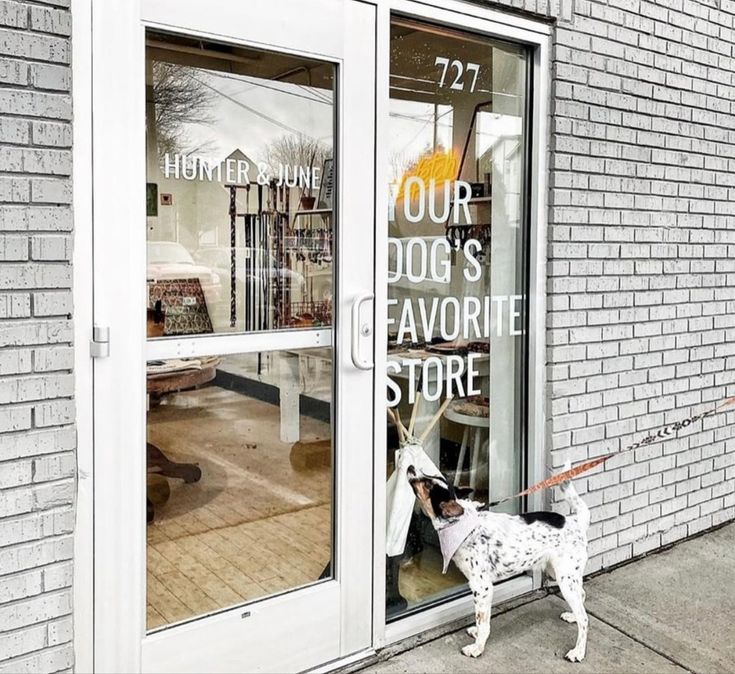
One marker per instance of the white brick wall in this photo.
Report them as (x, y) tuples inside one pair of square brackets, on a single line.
[(37, 439), (642, 262)]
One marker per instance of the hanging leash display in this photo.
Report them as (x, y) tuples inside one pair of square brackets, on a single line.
[(233, 244), (660, 435)]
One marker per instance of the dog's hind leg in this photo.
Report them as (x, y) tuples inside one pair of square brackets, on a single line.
[(572, 591), (482, 590)]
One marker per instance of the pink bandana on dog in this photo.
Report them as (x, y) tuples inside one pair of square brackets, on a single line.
[(453, 535)]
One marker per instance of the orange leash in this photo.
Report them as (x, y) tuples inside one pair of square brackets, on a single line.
[(660, 435)]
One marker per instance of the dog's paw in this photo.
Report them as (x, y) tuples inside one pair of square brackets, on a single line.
[(472, 631), (568, 617), (575, 655), (472, 651)]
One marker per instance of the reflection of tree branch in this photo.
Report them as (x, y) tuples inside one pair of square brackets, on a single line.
[(179, 99), (296, 150), (262, 115)]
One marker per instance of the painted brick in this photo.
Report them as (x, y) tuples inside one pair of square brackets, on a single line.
[(32, 526), (21, 44), (35, 554), (57, 576), (53, 467), (21, 586), (15, 418), (50, 247), (13, 71), (60, 631), (48, 76), (53, 413), (51, 134), (36, 275), (13, 14), (36, 609), (21, 642), (48, 20), (47, 191), (14, 131), (53, 358), (22, 333), (36, 443), (52, 303), (13, 248), (35, 104), (37, 387), (630, 100), (15, 361), (53, 494), (14, 189), (47, 660), (40, 218)]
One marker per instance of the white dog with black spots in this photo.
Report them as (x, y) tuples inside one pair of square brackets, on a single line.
[(488, 547)]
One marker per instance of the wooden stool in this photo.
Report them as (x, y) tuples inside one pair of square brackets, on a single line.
[(475, 423)]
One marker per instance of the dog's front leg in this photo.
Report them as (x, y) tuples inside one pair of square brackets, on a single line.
[(482, 591)]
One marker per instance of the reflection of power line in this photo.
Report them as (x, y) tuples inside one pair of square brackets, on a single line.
[(315, 92), (265, 86), (432, 119), (262, 115), (428, 117)]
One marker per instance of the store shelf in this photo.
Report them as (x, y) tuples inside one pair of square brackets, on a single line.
[(475, 200), (313, 211)]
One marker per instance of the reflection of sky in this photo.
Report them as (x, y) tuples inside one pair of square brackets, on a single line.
[(279, 110), (412, 132)]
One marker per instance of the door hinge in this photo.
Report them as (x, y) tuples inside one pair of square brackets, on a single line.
[(99, 345)]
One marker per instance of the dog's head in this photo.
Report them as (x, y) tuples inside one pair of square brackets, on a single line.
[(438, 497)]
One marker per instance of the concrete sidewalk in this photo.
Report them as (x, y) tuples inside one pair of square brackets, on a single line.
[(670, 612)]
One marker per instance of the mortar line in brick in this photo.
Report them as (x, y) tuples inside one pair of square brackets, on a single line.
[(60, 427), (30, 485), (63, 590), (638, 47), (32, 176), (45, 482), (49, 539), (19, 516), (38, 456), (43, 623), (641, 114), (4, 664)]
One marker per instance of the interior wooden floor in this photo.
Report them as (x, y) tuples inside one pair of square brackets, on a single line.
[(208, 571), (253, 525)]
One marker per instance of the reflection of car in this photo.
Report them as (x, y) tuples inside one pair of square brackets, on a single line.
[(217, 258), (170, 260)]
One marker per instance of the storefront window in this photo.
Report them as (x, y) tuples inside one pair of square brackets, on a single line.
[(456, 286), (239, 447), (239, 189)]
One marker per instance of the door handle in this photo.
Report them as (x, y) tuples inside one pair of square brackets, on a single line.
[(360, 331)]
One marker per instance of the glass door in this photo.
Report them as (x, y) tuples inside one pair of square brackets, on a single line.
[(231, 271), (457, 280)]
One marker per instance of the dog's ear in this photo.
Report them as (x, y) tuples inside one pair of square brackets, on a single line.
[(463, 492), (451, 509)]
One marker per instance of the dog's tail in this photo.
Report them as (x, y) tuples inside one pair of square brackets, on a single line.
[(579, 507)]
